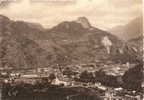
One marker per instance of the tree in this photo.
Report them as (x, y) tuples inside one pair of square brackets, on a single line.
[(52, 77), (133, 78), (87, 76)]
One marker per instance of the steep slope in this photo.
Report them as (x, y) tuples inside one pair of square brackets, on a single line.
[(16, 50), (32, 31)]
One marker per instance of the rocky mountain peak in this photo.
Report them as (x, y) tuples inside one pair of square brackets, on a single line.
[(84, 22), (81, 25), (69, 27)]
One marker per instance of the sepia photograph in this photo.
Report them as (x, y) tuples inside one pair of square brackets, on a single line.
[(71, 50)]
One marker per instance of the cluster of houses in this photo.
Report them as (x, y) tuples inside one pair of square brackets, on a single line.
[(32, 75)]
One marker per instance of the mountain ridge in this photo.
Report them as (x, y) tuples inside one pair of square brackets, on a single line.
[(66, 43)]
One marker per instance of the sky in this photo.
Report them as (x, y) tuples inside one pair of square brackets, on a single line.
[(103, 14)]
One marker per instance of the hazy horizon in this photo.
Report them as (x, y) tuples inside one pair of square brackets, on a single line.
[(104, 14)]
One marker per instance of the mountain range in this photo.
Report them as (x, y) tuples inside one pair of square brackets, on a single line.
[(29, 45)]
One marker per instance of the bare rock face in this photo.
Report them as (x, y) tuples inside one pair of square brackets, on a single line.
[(84, 22), (107, 44)]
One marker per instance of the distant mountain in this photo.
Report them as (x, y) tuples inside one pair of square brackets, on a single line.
[(130, 31)]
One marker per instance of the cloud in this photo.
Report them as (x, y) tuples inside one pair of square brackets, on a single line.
[(101, 13)]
